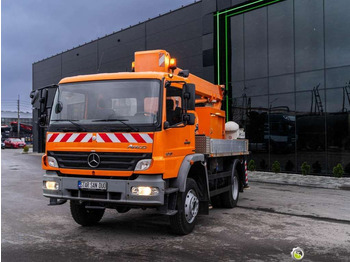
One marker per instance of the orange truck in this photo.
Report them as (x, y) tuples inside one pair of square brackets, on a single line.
[(150, 138)]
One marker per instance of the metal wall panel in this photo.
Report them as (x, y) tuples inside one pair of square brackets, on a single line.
[(223, 4), (255, 41), (208, 6), (337, 40), (338, 77), (47, 72), (178, 18), (116, 52), (280, 34), (309, 45), (309, 80), (237, 50), (281, 84), (82, 60)]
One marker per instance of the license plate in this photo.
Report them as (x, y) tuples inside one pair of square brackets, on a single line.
[(92, 185)]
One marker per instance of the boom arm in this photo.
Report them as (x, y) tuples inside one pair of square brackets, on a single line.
[(208, 92)]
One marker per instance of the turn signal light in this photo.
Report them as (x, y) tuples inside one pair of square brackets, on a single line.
[(143, 164), (133, 66), (52, 161)]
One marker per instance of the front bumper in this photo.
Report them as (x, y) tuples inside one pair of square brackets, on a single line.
[(118, 191)]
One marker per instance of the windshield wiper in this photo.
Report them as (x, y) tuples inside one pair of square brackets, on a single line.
[(80, 128), (117, 120)]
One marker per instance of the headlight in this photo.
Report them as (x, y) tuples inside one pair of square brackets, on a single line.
[(143, 164), (52, 161), (51, 185), (144, 191)]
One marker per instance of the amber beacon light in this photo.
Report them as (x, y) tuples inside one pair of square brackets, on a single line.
[(172, 63)]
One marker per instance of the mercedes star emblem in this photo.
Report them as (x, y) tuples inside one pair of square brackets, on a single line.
[(93, 160)]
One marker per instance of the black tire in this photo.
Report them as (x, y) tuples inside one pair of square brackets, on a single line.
[(229, 199), (183, 222), (216, 201), (83, 216)]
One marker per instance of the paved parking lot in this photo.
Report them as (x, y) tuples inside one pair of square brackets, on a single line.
[(270, 221)]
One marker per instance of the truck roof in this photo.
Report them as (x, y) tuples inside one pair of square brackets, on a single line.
[(113, 76)]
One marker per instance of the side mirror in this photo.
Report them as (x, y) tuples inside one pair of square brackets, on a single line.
[(189, 119), (189, 95), (166, 125), (34, 95), (58, 107)]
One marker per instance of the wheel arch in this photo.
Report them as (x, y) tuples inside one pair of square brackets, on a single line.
[(193, 166)]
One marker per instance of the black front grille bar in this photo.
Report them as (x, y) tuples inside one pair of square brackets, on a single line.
[(108, 161)]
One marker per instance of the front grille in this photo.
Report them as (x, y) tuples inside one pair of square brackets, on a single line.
[(95, 195), (108, 161)]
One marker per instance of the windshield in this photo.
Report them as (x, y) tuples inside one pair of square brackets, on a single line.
[(110, 103), (16, 140)]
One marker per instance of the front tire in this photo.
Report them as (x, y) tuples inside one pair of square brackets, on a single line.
[(183, 222), (84, 216)]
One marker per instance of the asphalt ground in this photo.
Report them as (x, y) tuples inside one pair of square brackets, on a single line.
[(269, 222)]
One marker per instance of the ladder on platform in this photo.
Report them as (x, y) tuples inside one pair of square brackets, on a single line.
[(318, 102)]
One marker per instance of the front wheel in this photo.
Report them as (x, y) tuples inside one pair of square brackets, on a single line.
[(84, 216), (230, 198), (183, 222)]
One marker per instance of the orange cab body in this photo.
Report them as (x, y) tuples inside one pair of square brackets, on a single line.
[(170, 146)]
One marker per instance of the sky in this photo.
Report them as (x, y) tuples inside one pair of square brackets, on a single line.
[(32, 30)]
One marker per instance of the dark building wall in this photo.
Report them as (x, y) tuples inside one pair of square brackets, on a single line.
[(279, 55), (179, 32)]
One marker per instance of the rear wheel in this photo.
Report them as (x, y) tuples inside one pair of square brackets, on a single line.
[(183, 222), (230, 198), (84, 216)]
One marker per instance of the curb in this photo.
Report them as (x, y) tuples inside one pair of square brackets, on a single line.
[(299, 184), (300, 180)]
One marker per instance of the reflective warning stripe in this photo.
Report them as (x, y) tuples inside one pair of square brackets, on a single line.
[(100, 137), (124, 138), (246, 172), (161, 59)]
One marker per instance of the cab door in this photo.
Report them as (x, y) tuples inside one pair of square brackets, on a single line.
[(178, 137)]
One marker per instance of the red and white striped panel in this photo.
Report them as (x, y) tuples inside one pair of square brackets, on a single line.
[(124, 138), (161, 61), (246, 172), (100, 137), (69, 137)]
